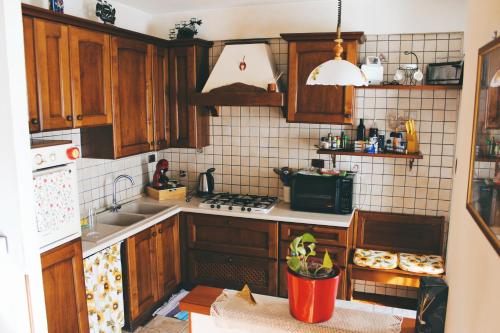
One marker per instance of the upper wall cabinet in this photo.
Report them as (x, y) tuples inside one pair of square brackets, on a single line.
[(318, 104), (90, 77), (189, 124), (68, 76), (132, 68), (161, 98), (53, 74)]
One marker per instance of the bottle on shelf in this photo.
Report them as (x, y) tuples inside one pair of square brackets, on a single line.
[(361, 131)]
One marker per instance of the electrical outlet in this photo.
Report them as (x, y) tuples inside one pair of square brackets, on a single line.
[(152, 158)]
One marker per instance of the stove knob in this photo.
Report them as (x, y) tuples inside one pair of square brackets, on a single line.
[(230, 207), (38, 159), (218, 206), (242, 209), (212, 206), (249, 209)]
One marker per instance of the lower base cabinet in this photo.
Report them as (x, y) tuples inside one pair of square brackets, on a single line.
[(230, 271), (64, 289), (151, 270)]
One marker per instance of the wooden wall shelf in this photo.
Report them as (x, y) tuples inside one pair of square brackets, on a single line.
[(238, 99), (334, 153), (417, 87)]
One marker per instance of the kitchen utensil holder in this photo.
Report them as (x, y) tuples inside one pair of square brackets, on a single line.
[(409, 72)]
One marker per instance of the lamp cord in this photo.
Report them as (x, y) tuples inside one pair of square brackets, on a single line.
[(339, 17)]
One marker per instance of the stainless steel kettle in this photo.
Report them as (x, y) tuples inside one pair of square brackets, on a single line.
[(206, 183)]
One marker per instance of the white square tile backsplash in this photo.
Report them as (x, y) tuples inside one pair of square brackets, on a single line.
[(248, 142)]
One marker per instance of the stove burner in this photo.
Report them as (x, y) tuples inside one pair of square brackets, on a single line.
[(238, 202)]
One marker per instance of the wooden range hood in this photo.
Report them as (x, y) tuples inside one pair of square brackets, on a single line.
[(240, 77)]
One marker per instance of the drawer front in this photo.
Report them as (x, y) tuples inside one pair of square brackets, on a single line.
[(324, 235), (233, 235), (338, 254), (230, 271), (283, 290)]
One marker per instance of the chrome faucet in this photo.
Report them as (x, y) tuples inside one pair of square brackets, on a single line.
[(115, 206)]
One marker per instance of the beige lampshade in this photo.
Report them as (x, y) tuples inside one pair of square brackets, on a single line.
[(337, 73)]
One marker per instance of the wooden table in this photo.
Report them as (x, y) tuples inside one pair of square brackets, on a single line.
[(201, 298)]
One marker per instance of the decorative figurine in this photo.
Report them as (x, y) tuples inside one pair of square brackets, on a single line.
[(185, 30), (105, 11), (57, 6), (160, 179)]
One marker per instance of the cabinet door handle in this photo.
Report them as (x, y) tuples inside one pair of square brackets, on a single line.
[(160, 231), (79, 117), (69, 118), (35, 121), (153, 234), (229, 259)]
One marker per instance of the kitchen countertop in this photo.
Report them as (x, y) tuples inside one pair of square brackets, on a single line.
[(280, 213)]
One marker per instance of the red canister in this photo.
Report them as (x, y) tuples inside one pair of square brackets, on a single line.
[(312, 300)]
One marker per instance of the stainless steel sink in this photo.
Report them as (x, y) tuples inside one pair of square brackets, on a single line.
[(119, 219), (142, 208)]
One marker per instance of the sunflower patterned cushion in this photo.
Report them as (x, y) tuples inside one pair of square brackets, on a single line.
[(427, 264), (375, 259)]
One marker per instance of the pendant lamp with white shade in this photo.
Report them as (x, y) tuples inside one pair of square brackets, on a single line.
[(337, 72)]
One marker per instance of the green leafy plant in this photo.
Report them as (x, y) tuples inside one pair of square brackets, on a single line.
[(302, 249)]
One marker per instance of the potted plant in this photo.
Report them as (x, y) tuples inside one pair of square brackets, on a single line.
[(312, 283)]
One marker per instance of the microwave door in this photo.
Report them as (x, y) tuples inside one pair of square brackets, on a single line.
[(56, 204)]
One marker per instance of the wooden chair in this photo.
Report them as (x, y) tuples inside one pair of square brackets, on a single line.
[(396, 233)]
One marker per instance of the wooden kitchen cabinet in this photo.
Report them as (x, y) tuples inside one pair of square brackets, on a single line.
[(64, 289), (90, 59), (53, 74), (233, 271), (161, 98), (152, 269), (132, 72), (318, 104), (29, 55), (189, 124), (232, 235)]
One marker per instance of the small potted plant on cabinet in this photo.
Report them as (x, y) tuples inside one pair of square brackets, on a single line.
[(312, 283)]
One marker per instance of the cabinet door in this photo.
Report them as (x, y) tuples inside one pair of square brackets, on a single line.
[(132, 72), (230, 271), (168, 255), (64, 289), (29, 55), (141, 272), (90, 59), (189, 124), (317, 104), (161, 99), (53, 78), (231, 235)]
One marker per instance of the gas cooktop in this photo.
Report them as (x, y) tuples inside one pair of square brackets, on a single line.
[(240, 203)]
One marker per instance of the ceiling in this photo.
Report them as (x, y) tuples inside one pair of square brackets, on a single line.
[(162, 6)]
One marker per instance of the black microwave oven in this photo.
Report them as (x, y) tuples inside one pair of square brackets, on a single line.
[(325, 194)]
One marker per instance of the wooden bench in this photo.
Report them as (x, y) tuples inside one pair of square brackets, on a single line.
[(416, 234)]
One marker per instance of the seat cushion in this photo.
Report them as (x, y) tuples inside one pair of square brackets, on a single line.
[(375, 259), (417, 263)]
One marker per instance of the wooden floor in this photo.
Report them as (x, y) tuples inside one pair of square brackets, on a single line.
[(392, 301)]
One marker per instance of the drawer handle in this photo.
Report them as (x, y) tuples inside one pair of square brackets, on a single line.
[(229, 259), (34, 121), (69, 118), (79, 117)]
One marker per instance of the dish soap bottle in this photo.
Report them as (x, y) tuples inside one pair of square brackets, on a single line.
[(361, 132)]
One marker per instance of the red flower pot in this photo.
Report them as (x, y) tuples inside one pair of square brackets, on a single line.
[(312, 300)]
